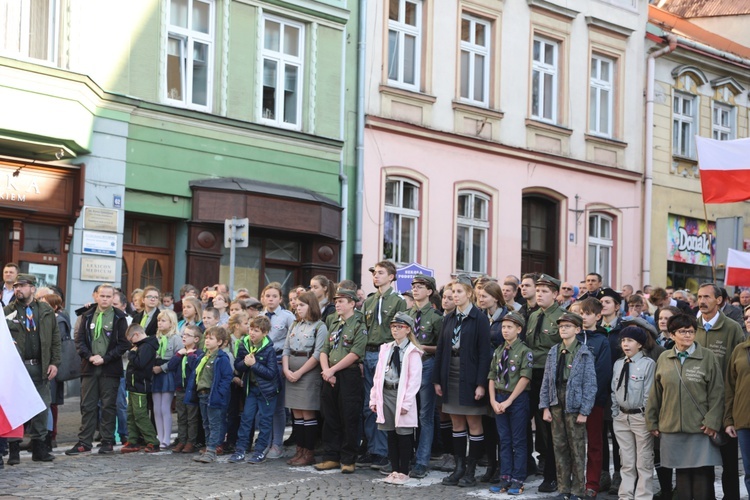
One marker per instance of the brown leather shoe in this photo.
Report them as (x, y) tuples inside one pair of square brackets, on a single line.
[(328, 465), (189, 448), (305, 457), (348, 468), (178, 448), (296, 456)]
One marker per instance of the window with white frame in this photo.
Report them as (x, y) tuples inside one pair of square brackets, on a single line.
[(404, 43), (472, 230), (190, 42), (401, 224), (601, 245), (601, 95), (475, 60), (283, 57), (544, 73), (723, 122), (29, 29), (683, 124)]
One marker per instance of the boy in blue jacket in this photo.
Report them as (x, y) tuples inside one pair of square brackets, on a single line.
[(256, 359), (182, 365), (213, 376), (138, 376)]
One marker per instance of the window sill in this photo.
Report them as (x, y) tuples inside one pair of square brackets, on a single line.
[(408, 94), (685, 159), (477, 110), (606, 141), (549, 127)]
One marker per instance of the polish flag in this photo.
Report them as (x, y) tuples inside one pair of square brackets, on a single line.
[(725, 169), (19, 401), (738, 268)]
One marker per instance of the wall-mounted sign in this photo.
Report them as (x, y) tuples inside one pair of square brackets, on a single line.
[(690, 240), (100, 219), (405, 274), (99, 243), (98, 269)]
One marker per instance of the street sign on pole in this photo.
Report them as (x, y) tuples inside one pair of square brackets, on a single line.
[(236, 235)]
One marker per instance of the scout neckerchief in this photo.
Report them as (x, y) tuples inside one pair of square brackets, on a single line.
[(162, 351), (337, 334), (252, 349), (184, 368), (199, 368), (98, 325), (503, 366), (30, 325), (144, 318), (457, 329)]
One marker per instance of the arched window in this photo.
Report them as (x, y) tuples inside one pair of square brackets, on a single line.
[(472, 232), (401, 221)]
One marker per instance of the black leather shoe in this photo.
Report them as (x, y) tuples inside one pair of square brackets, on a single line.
[(548, 487)]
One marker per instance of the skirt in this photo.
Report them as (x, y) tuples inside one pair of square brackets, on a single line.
[(163, 382), (305, 393), (680, 450), (389, 412), (451, 405)]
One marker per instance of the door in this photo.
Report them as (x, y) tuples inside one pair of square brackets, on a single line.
[(147, 257), (539, 235)]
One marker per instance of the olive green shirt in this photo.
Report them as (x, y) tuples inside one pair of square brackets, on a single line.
[(100, 345), (520, 364), (345, 337), (569, 357), (380, 331), (207, 373), (332, 319), (541, 343), (430, 325)]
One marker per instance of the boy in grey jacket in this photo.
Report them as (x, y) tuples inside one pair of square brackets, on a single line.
[(567, 394)]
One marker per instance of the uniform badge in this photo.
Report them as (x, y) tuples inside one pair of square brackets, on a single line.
[(513, 368)]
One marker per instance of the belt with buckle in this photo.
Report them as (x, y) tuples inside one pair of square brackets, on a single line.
[(299, 353), (372, 348), (32, 362), (637, 411), (390, 387)]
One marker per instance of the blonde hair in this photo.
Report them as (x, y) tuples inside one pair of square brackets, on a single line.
[(172, 317), (235, 322)]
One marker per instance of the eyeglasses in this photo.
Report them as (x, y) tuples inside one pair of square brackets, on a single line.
[(152, 297), (685, 332), (566, 288), (397, 326)]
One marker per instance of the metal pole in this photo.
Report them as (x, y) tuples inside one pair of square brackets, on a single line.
[(232, 243)]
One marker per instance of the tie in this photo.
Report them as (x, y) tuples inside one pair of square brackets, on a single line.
[(561, 367), (539, 324), (606, 326), (98, 327), (162, 351), (144, 319), (269, 315), (336, 335), (457, 328), (682, 356), (378, 307), (624, 375), (184, 369), (502, 367), (417, 321), (707, 326), (396, 360), (30, 319)]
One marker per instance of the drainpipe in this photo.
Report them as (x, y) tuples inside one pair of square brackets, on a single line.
[(360, 148), (344, 249), (649, 166)]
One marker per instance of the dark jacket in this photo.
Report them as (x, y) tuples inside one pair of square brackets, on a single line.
[(223, 374), (151, 328), (599, 346), (118, 344), (496, 330), (141, 363), (46, 324), (185, 381), (476, 355), (265, 369)]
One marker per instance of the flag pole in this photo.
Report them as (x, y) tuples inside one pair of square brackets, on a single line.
[(705, 217)]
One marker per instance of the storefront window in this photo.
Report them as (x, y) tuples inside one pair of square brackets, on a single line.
[(41, 238)]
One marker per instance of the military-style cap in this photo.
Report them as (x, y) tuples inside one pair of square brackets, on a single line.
[(642, 323), (371, 269), (608, 292), (571, 317), (516, 318), (254, 303), (343, 293), (546, 279), (425, 280), (24, 279), (403, 318), (464, 279)]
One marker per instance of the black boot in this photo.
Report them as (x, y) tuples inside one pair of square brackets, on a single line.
[(491, 470), (14, 447), (469, 480), (2, 464), (40, 452), (495, 479), (458, 472)]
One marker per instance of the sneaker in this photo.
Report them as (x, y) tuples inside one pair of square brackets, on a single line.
[(78, 449), (386, 469), (256, 458), (275, 452), (152, 448), (237, 457), (106, 449), (208, 457), (418, 471), (129, 447), (502, 486), (548, 487), (616, 480), (590, 494), (379, 462), (364, 460), (516, 488), (605, 481)]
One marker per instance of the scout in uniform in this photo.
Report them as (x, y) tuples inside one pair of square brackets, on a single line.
[(427, 326), (379, 309), (341, 395), (509, 376)]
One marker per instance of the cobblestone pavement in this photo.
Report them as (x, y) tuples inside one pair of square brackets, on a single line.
[(164, 475)]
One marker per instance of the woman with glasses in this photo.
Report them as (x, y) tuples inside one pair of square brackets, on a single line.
[(686, 408), (147, 317)]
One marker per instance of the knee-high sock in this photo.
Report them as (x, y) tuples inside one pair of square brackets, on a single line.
[(459, 443), (406, 450), (476, 446), (298, 431), (310, 433)]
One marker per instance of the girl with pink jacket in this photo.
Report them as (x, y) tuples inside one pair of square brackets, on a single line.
[(393, 397)]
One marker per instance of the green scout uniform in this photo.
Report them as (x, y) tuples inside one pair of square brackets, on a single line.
[(379, 332), (521, 362), (102, 328), (206, 377), (541, 338), (345, 337), (332, 319), (429, 326)]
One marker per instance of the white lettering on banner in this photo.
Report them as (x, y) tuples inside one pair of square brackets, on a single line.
[(12, 197), (700, 243)]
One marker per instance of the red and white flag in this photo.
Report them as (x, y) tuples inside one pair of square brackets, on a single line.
[(725, 169), (19, 401), (738, 268)]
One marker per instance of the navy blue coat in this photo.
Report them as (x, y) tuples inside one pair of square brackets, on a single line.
[(188, 382), (598, 343), (223, 374), (265, 369), (476, 355)]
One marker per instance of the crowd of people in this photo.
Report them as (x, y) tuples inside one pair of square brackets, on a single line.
[(528, 376)]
